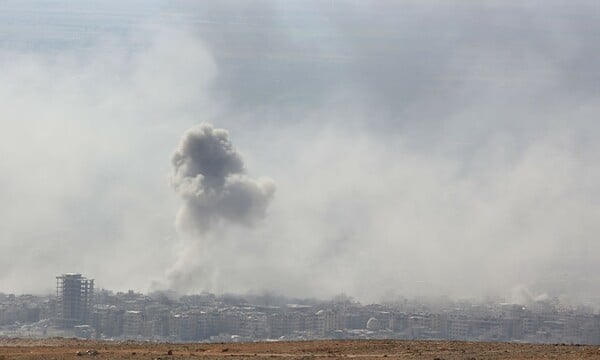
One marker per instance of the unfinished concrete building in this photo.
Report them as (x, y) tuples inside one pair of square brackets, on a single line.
[(74, 296)]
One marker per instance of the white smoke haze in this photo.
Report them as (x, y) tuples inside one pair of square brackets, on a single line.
[(85, 138), (446, 156)]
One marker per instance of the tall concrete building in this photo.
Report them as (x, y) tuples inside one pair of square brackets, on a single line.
[(74, 296)]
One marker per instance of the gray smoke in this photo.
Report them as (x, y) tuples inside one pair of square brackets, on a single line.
[(209, 175)]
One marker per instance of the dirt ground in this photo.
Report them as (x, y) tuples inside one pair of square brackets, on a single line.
[(368, 349)]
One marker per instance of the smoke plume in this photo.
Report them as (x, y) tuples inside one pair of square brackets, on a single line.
[(209, 175)]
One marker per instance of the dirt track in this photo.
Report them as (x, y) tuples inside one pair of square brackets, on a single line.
[(67, 349)]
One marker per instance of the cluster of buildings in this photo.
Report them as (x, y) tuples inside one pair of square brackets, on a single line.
[(77, 309)]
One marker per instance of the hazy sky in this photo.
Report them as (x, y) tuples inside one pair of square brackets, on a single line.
[(416, 147)]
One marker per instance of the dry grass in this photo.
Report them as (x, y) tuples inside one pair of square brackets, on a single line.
[(58, 349)]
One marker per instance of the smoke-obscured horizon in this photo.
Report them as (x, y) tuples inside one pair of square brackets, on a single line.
[(419, 148)]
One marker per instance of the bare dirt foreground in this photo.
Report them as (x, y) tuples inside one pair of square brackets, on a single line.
[(367, 349)]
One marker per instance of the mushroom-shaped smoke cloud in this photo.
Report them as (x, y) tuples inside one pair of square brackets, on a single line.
[(209, 175)]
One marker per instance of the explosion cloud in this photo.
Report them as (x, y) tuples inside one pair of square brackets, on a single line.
[(209, 175)]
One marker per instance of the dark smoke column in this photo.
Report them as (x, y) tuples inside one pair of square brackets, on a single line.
[(210, 177)]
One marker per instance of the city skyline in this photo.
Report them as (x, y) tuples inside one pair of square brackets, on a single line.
[(234, 318)]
